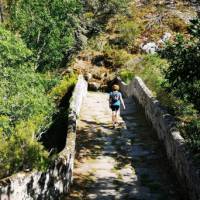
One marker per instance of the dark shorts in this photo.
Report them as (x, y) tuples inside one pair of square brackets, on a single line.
[(114, 108)]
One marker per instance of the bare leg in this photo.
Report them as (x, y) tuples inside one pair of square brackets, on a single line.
[(116, 116), (113, 118)]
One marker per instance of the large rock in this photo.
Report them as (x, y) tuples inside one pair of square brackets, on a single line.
[(88, 76), (166, 36), (93, 86), (150, 47)]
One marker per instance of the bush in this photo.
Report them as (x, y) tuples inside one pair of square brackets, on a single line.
[(176, 24), (182, 79), (25, 98), (105, 7), (27, 106), (126, 75), (150, 69), (59, 90), (183, 74), (26, 111), (116, 57), (192, 134), (13, 51), (128, 31), (21, 151), (49, 30)]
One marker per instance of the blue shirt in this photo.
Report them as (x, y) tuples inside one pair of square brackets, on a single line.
[(115, 98)]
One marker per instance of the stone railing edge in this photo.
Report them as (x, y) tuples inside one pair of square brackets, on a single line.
[(54, 182), (164, 124)]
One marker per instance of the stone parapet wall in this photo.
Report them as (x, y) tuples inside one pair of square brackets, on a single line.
[(53, 183), (164, 124)]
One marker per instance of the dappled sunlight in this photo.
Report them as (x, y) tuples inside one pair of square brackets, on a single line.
[(127, 162)]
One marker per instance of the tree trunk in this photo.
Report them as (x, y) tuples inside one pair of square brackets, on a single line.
[(1, 12)]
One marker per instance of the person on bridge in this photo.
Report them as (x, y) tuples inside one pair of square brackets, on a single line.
[(115, 99)]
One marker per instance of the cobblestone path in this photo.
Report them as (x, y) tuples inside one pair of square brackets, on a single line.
[(123, 163)]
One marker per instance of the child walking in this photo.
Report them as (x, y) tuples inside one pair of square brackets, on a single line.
[(115, 99)]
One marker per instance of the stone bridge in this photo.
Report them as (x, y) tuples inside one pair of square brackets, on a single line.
[(125, 163), (144, 158)]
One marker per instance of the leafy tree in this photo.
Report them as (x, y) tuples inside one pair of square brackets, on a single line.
[(25, 107), (183, 80), (98, 12), (13, 51), (47, 27), (183, 75), (102, 7)]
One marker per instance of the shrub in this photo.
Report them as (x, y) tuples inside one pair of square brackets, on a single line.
[(48, 28), (116, 57), (150, 69), (25, 98), (183, 81), (192, 134), (183, 75), (176, 24), (128, 31), (60, 89), (27, 106), (13, 51), (21, 151), (126, 75), (26, 111)]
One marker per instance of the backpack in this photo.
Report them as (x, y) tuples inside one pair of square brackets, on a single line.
[(114, 97)]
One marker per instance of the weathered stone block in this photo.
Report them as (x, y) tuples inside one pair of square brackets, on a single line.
[(164, 124), (53, 183)]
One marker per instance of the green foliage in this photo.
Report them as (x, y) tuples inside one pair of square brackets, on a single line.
[(116, 57), (183, 75), (192, 131), (183, 81), (149, 68), (13, 51), (26, 111), (98, 12), (105, 7), (194, 28), (176, 24), (27, 106), (21, 151), (128, 31), (60, 90), (47, 27), (126, 75)]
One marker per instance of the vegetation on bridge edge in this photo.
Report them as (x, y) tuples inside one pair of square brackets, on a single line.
[(37, 39), (172, 73)]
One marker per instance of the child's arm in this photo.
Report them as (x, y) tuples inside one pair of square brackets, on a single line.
[(121, 99), (110, 100)]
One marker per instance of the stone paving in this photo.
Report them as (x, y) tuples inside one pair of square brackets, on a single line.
[(123, 163)]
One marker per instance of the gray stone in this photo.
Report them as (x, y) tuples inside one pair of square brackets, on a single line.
[(174, 143), (150, 48), (55, 181), (88, 76)]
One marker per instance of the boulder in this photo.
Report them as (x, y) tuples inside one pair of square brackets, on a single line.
[(97, 76), (166, 36), (93, 86), (104, 88), (150, 47), (88, 76)]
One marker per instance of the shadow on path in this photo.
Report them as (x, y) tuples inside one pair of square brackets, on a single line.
[(123, 163)]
